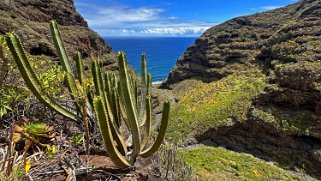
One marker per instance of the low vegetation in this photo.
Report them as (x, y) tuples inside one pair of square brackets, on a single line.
[(90, 113), (220, 164), (118, 103), (208, 105)]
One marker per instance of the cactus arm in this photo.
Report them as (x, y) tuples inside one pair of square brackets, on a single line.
[(121, 106), (74, 91), (136, 93), (108, 81), (113, 96), (31, 79), (142, 115), (80, 68), (149, 86), (109, 93), (63, 58), (115, 129), (161, 135), (117, 107), (5, 62), (99, 86), (81, 79), (148, 122), (129, 104), (133, 88), (107, 136), (144, 69), (60, 47), (96, 77)]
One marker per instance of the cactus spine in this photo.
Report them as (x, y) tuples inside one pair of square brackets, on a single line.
[(121, 107)]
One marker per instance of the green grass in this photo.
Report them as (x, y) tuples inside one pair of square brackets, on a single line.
[(302, 122), (212, 163), (209, 105)]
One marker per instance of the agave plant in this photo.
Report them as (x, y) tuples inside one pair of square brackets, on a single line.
[(34, 132)]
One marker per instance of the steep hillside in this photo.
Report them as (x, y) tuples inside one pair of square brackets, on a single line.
[(30, 18), (264, 95), (244, 39)]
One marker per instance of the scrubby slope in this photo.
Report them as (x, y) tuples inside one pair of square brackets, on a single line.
[(278, 119), (242, 40), (221, 164), (30, 18)]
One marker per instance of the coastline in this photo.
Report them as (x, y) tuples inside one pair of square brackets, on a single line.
[(157, 82)]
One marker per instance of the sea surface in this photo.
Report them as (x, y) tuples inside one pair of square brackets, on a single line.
[(161, 53)]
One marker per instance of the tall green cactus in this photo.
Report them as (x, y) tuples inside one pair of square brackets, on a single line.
[(117, 103), (121, 107), (64, 61), (31, 80)]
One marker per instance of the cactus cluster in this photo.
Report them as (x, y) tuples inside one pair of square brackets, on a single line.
[(32, 81), (120, 105)]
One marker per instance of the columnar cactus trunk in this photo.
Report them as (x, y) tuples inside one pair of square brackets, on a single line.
[(121, 106)]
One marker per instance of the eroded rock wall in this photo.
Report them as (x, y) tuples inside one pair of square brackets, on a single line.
[(30, 20)]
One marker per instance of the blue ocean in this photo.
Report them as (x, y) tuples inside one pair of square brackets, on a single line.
[(162, 53)]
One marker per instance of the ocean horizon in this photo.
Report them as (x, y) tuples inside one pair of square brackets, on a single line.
[(161, 52)]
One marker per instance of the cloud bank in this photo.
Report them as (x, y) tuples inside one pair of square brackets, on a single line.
[(121, 20), (267, 8)]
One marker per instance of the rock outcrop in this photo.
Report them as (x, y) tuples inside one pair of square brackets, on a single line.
[(288, 34), (283, 122), (30, 20)]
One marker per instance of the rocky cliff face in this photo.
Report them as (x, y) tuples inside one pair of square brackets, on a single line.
[(283, 122), (289, 34), (30, 19)]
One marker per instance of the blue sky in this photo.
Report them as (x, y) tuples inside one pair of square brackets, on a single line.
[(166, 18)]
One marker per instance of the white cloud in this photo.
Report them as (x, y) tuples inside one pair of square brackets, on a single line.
[(117, 14), (120, 20), (158, 29), (124, 14), (180, 29), (175, 31), (266, 8)]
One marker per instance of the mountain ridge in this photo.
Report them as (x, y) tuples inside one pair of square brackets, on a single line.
[(30, 20), (239, 40), (253, 85)]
